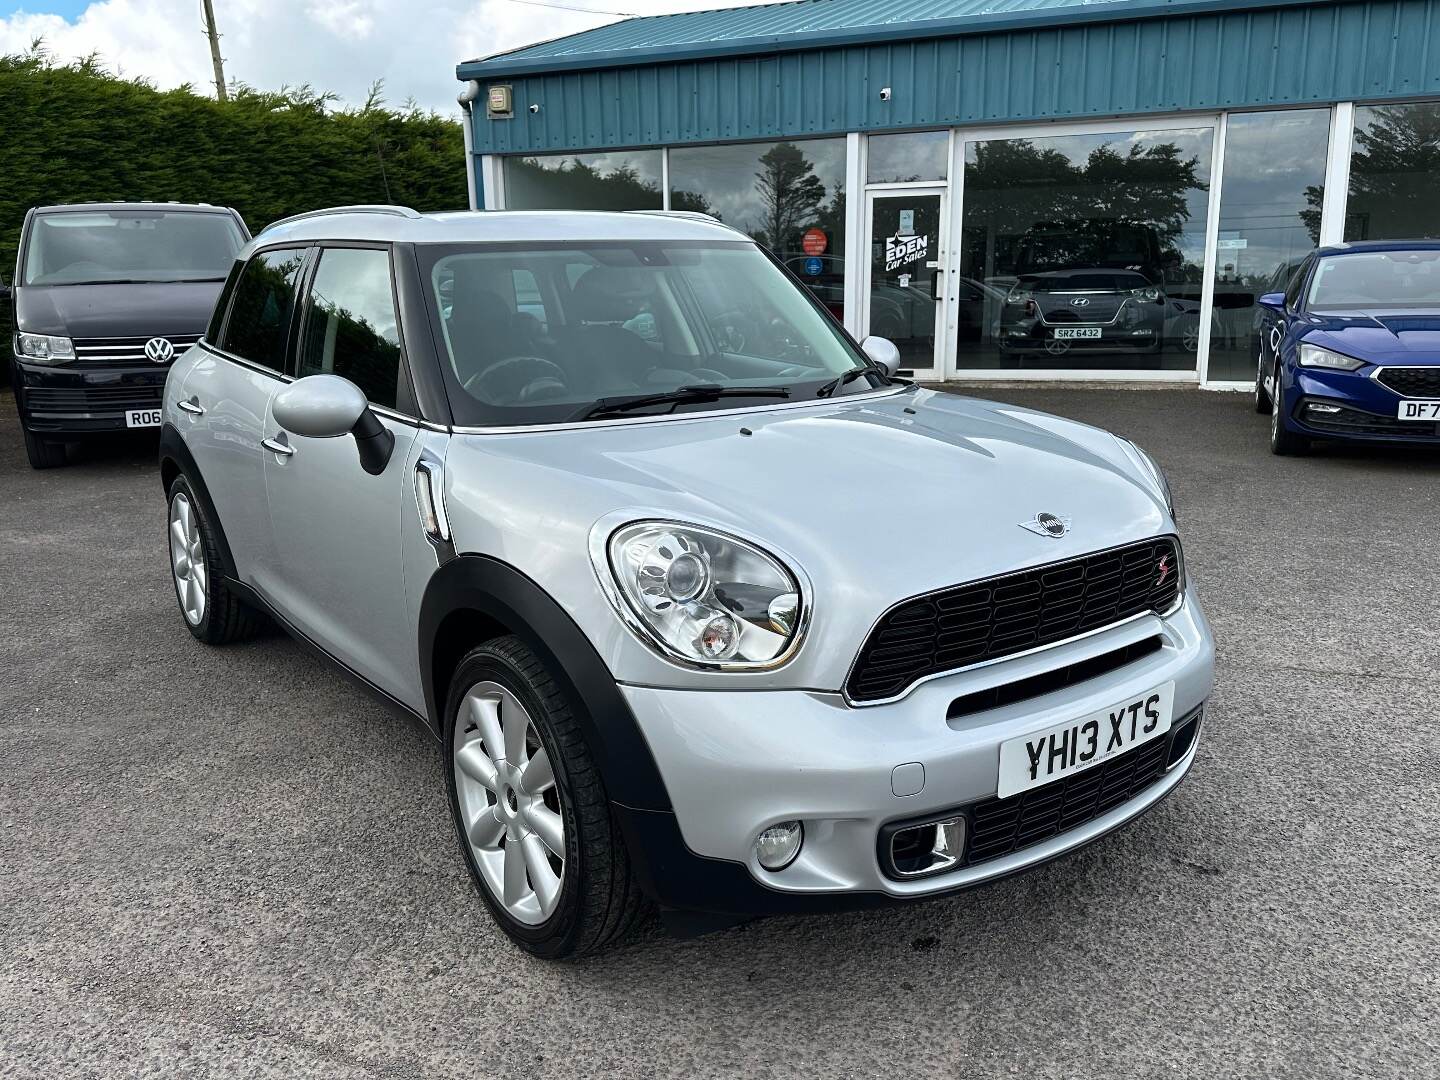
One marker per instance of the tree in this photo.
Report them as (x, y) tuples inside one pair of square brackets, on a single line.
[(790, 193)]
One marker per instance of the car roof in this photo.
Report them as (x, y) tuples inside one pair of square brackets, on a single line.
[(400, 224), (1379, 245), (199, 208)]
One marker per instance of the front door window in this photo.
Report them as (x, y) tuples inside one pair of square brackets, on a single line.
[(905, 261)]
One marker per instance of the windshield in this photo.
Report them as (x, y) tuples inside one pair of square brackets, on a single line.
[(93, 248), (542, 333), (1377, 278)]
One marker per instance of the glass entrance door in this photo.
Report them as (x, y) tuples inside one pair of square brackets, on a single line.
[(903, 299)]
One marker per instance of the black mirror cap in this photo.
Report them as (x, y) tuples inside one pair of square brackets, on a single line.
[(374, 441)]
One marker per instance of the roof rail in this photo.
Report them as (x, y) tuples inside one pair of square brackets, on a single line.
[(689, 215), (363, 208)]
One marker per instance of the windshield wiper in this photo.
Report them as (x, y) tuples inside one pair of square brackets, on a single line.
[(618, 406), (847, 378)]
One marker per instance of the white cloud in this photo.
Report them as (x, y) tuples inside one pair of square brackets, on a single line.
[(337, 45)]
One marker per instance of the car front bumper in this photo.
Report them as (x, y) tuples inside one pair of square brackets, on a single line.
[(737, 762), (1367, 409)]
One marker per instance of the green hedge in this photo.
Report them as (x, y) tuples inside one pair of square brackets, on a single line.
[(72, 133)]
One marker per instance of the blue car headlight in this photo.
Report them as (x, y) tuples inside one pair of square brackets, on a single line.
[(1313, 356)]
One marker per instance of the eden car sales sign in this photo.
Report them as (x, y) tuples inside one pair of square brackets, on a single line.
[(900, 250)]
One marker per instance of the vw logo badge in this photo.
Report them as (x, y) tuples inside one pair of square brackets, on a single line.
[(1080, 301), (159, 350), (1044, 524)]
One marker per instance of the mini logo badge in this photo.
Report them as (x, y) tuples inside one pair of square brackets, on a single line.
[(1080, 301), (1044, 524), (159, 350)]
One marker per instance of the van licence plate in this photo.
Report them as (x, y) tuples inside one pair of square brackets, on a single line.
[(142, 418), (1065, 749)]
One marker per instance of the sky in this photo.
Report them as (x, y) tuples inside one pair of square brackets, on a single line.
[(337, 45)]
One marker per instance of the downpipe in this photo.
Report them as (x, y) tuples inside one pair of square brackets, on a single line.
[(467, 99)]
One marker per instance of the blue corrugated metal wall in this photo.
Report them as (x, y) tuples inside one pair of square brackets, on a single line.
[(1236, 59)]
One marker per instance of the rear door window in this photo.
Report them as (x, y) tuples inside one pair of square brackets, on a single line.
[(259, 324), (351, 328)]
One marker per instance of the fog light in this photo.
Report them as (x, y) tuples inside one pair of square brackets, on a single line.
[(1328, 410), (921, 850), (778, 845)]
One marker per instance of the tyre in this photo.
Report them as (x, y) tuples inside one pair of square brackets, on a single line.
[(532, 817), (211, 611), (43, 453), (1263, 404), (1282, 440)]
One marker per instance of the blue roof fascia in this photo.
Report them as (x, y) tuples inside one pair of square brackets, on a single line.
[(514, 63)]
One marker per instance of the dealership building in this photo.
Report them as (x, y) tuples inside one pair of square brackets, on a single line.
[(1052, 189)]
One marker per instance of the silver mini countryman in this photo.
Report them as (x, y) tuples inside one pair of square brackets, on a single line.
[(708, 610)]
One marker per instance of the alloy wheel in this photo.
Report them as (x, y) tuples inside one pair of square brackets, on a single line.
[(509, 802), (187, 559), (1275, 406)]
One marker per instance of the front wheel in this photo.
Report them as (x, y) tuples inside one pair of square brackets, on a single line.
[(1283, 441), (1263, 404), (533, 819)]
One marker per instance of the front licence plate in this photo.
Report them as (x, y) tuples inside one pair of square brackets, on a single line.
[(1071, 332), (1419, 410), (142, 418), (1057, 752)]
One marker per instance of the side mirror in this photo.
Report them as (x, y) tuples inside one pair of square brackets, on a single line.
[(327, 407), (1275, 301), (883, 353)]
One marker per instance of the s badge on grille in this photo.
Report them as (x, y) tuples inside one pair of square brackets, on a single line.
[(1044, 524), (159, 350), (1164, 567)]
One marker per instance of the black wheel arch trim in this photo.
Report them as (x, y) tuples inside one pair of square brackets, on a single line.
[(478, 585), (173, 449)]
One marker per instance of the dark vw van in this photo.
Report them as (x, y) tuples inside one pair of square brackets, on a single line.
[(106, 296)]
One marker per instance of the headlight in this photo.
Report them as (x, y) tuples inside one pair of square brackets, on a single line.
[(1314, 356), (705, 597), (1152, 467), (1150, 292), (44, 349)]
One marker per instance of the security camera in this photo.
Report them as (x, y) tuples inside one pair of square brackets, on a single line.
[(535, 108), (885, 93)]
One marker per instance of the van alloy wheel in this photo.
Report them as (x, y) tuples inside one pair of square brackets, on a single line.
[(510, 802), (187, 559)]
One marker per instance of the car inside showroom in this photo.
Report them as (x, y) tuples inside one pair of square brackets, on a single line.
[(1040, 190)]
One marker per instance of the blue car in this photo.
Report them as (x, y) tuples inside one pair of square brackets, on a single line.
[(1351, 349)]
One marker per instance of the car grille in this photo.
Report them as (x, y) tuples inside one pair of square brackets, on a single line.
[(997, 617), (1412, 381), (123, 352), (93, 398), (1002, 826)]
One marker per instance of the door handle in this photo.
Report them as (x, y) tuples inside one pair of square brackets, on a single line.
[(275, 446), (192, 406)]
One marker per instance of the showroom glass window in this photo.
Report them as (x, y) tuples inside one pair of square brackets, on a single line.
[(790, 196), (907, 157), (1086, 252), (616, 180), (259, 322), (1393, 165), (350, 325), (1270, 201)]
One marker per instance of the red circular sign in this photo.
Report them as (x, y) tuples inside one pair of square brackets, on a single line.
[(814, 242)]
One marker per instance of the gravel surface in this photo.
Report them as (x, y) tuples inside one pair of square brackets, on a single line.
[(231, 863)]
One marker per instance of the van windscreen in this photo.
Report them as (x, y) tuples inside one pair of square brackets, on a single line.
[(110, 247)]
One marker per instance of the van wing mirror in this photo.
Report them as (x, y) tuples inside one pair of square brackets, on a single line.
[(327, 407)]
